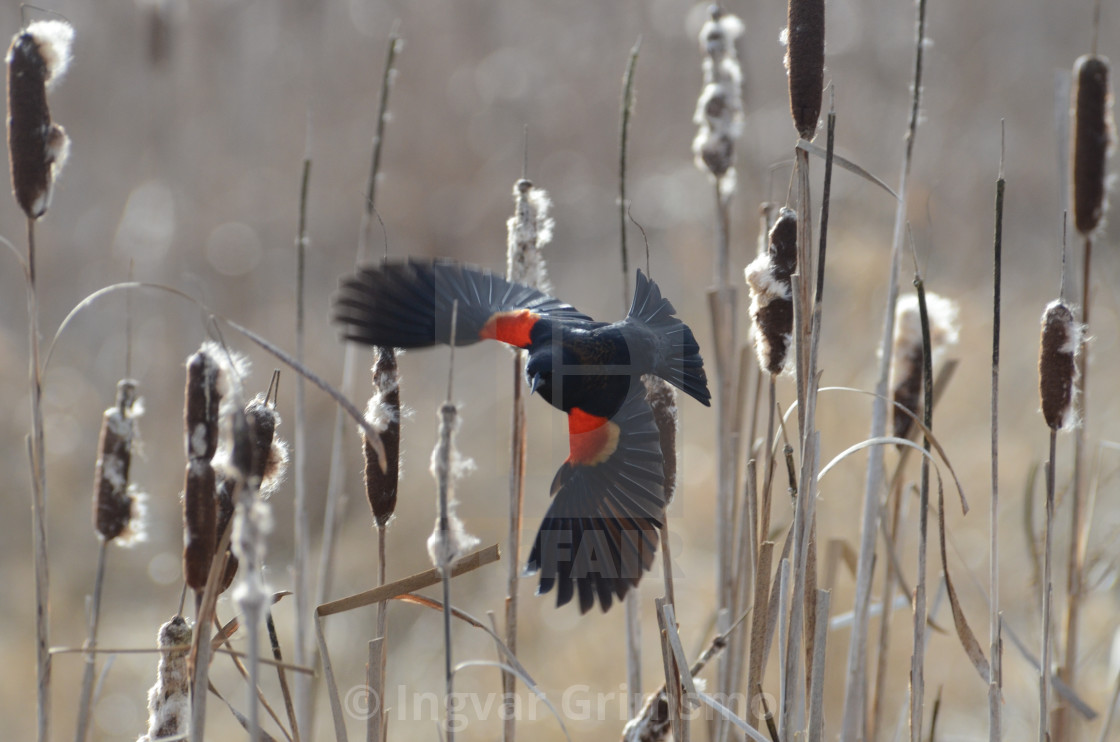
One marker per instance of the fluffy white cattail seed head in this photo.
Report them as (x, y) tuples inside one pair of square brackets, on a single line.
[(1057, 365), (907, 357), (528, 230), (719, 110)]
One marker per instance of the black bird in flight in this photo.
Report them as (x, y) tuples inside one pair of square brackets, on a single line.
[(600, 533)]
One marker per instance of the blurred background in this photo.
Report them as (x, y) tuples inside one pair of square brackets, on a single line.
[(189, 122)]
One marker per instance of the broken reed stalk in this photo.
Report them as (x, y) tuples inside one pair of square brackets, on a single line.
[(334, 510), (856, 689), (301, 537), (37, 149), (1092, 139), (995, 682)]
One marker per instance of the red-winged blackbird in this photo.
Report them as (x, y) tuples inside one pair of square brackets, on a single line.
[(600, 532)]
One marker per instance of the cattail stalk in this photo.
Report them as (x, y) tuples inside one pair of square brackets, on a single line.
[(116, 512), (37, 149), (382, 473), (203, 399), (995, 682), (301, 536), (528, 231), (719, 115), (1092, 139), (1058, 367)]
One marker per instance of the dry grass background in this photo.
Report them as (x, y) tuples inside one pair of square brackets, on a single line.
[(191, 169)]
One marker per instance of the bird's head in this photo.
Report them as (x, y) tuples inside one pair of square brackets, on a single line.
[(538, 372)]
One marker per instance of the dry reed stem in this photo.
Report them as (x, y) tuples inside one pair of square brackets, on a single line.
[(856, 688), (816, 674)]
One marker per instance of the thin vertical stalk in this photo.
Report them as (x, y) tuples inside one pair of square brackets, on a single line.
[(89, 660), (633, 619), (995, 682), (917, 657), (1074, 588), (1047, 588), (37, 451), (623, 137), (516, 505), (377, 724), (855, 691), (302, 534)]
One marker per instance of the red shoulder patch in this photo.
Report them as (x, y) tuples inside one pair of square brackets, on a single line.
[(511, 327), (592, 439)]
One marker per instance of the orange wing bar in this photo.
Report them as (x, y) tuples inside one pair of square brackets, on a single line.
[(592, 439), (511, 327)]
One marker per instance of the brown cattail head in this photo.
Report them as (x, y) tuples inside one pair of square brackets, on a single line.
[(169, 700), (527, 231), (719, 110), (384, 414), (1092, 140), (37, 147), (768, 277), (1057, 365), (225, 489), (117, 508), (269, 452), (203, 402), (804, 37), (907, 356), (662, 399), (200, 513)]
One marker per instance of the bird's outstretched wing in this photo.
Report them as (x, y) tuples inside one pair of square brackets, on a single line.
[(407, 304), (601, 531)]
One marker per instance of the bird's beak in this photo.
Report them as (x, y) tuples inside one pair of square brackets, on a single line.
[(534, 383)]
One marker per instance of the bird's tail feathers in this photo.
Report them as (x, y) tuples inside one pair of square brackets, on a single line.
[(682, 366)]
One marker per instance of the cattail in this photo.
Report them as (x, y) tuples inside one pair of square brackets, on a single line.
[(1057, 365), (445, 545), (169, 700), (200, 530), (527, 231), (1092, 140), (804, 61), (269, 453), (719, 110), (117, 507), (225, 489), (662, 399), (384, 414), (37, 58), (907, 358), (768, 277), (203, 401)]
